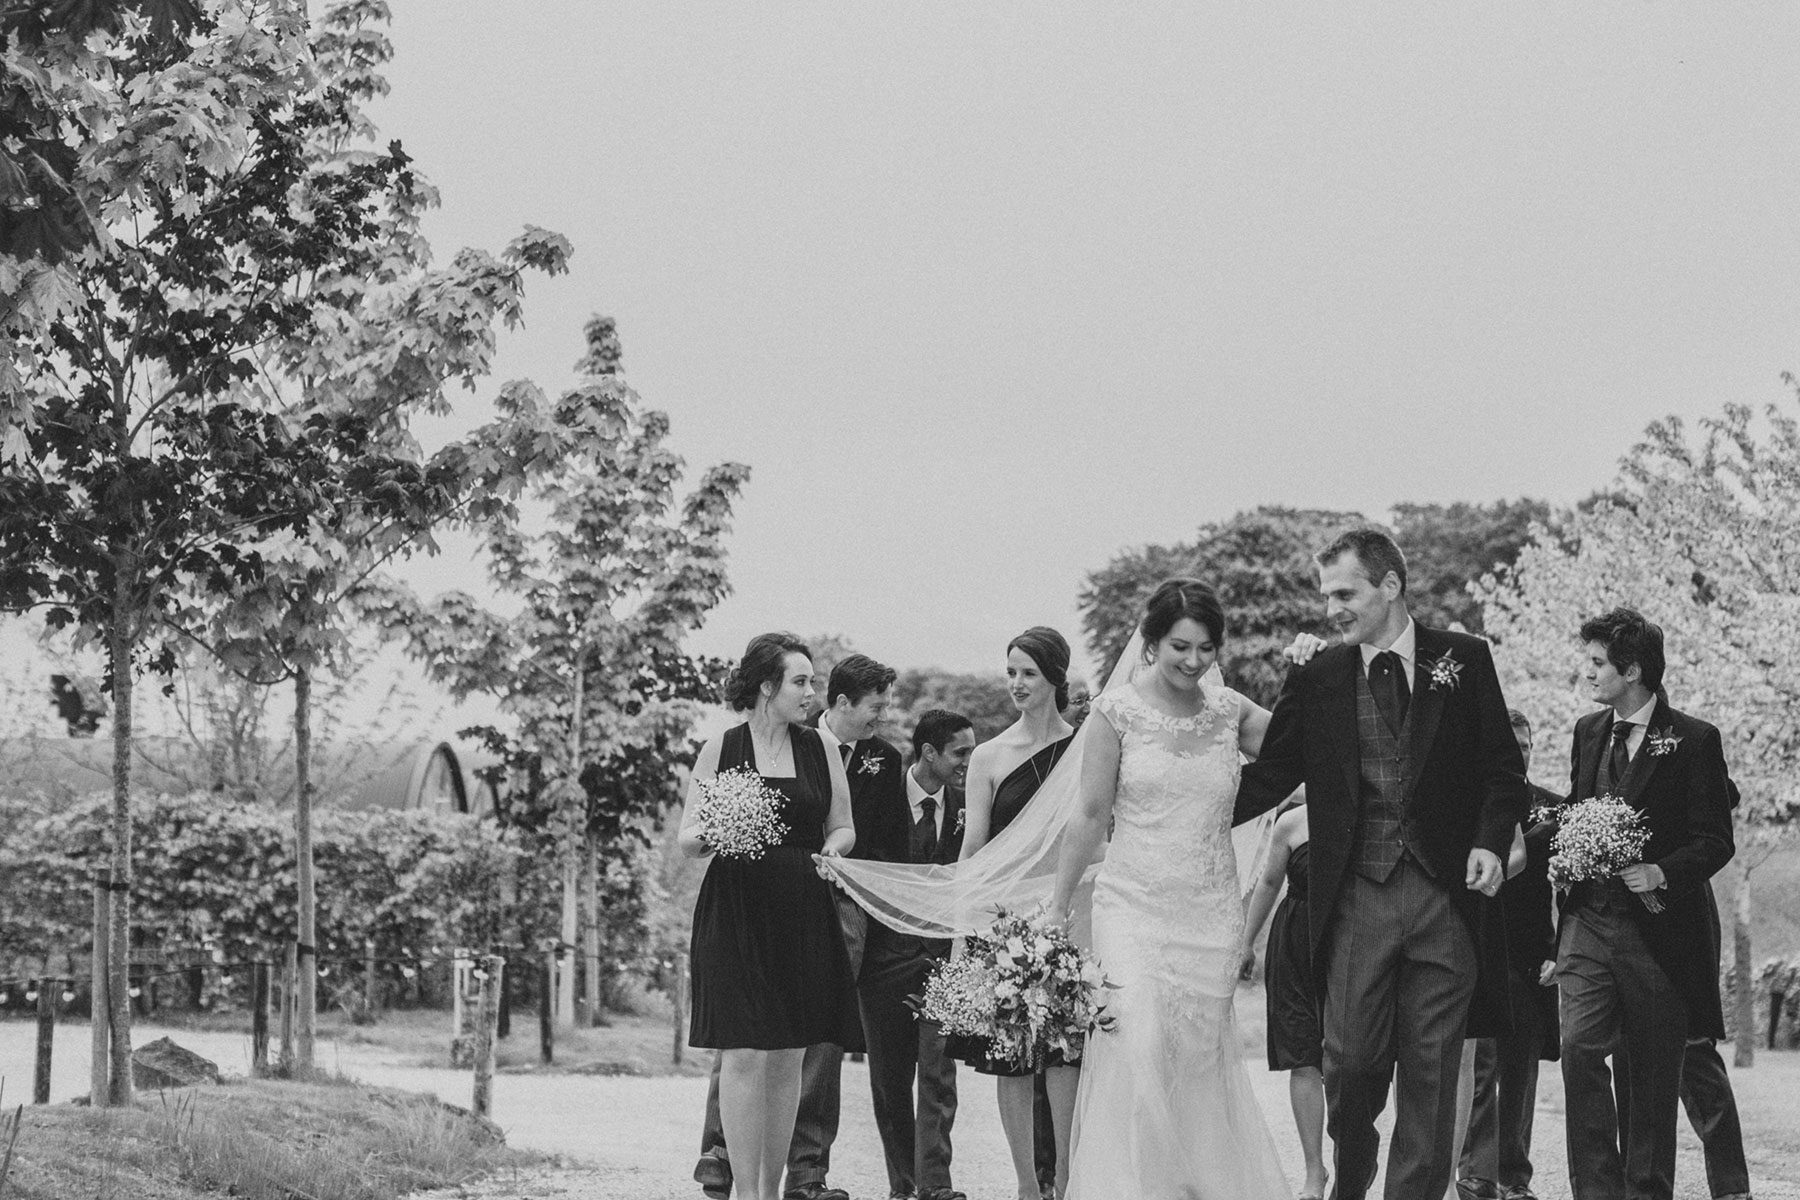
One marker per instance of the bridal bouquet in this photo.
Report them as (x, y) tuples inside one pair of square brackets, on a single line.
[(1024, 988), (739, 814), (1596, 839)]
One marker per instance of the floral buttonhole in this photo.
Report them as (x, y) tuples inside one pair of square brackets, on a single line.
[(871, 765), (1446, 673), (1663, 741), (962, 815)]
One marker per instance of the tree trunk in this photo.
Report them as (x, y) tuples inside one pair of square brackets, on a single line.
[(118, 945), (306, 997), (1744, 998)]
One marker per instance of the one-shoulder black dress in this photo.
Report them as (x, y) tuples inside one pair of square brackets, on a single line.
[(1296, 1024), (1010, 798), (770, 970)]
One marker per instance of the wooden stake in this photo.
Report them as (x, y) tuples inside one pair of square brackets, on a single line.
[(259, 1018), (47, 990), (100, 1072), (546, 1008), (486, 1031)]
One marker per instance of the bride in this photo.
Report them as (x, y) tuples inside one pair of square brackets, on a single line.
[(1165, 1109)]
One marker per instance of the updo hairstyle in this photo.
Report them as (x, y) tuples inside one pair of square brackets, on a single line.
[(1050, 651), (764, 661), (1175, 599)]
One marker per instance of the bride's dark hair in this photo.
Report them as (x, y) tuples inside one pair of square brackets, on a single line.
[(1050, 651), (1176, 599)]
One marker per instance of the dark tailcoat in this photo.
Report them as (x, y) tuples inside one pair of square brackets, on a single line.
[(1466, 786), (877, 791), (1685, 797)]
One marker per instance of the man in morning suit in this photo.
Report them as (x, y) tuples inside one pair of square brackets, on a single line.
[(903, 1048), (1414, 783), (1637, 954), (1496, 1156), (856, 700)]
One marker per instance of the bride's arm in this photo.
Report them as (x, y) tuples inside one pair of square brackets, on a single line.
[(1099, 746), (1253, 722)]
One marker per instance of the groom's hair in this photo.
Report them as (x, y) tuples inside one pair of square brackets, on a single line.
[(1630, 640), (1374, 550), (856, 677), (936, 728)]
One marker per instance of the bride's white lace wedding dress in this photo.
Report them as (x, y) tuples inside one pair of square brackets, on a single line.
[(1165, 1108)]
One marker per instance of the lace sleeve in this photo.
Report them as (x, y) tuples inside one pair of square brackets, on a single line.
[(1110, 705)]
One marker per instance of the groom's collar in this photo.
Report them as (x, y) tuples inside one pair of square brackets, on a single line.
[(1406, 646)]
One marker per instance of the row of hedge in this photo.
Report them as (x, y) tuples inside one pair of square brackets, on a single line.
[(215, 882)]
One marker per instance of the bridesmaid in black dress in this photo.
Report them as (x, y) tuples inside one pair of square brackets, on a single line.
[(771, 975), (1004, 774), (1296, 1031)]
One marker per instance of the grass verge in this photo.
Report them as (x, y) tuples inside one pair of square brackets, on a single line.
[(257, 1139)]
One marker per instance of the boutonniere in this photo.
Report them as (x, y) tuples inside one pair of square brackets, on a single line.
[(871, 765), (1446, 672), (1662, 741), (962, 815)]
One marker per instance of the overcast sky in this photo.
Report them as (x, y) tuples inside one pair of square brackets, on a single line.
[(985, 292)]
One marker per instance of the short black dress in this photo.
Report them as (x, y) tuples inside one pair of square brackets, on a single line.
[(770, 971), (1296, 1025), (1010, 798)]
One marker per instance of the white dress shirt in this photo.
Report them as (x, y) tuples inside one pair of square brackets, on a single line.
[(1640, 727), (915, 795), (1406, 646)]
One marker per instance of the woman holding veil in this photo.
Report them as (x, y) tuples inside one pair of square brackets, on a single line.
[(1165, 1107)]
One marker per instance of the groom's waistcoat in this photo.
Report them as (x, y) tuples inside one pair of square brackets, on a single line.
[(1384, 831)]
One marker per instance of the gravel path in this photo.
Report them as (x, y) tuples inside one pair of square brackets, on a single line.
[(624, 1138)]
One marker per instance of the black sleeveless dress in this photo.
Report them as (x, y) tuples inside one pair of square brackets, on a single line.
[(1010, 798), (770, 971), (1296, 1023)]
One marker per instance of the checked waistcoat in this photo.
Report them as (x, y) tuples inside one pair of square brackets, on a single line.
[(1382, 832)]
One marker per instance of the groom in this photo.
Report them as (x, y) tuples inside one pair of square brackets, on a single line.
[(1414, 782)]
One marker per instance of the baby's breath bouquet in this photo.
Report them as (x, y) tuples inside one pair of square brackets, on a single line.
[(1023, 987), (740, 814), (1596, 839)]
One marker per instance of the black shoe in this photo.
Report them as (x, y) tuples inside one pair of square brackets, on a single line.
[(815, 1191), (713, 1174), (1472, 1188), (941, 1193)]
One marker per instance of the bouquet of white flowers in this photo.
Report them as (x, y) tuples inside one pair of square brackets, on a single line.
[(1596, 839), (1024, 987), (739, 814)]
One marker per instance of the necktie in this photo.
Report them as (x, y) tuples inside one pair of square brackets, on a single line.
[(925, 835), (1618, 758), (844, 752), (1387, 681)]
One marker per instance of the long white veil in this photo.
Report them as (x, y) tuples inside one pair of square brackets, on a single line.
[(1017, 869)]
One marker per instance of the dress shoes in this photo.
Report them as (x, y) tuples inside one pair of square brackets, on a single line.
[(941, 1193), (1471, 1188), (713, 1174), (1522, 1191), (815, 1191)]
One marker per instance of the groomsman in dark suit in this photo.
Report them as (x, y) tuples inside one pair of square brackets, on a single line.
[(1496, 1157), (1638, 957), (1706, 1093), (904, 1049), (856, 700), (1414, 784)]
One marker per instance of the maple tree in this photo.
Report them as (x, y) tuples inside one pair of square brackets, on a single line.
[(608, 577), (1703, 537)]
